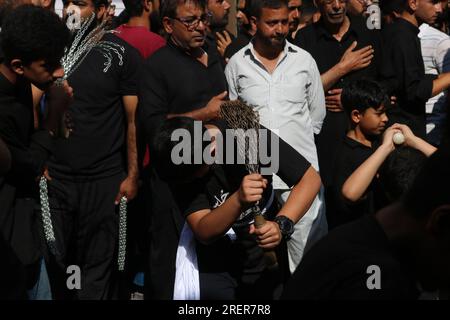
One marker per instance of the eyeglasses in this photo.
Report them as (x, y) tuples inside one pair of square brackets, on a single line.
[(192, 23)]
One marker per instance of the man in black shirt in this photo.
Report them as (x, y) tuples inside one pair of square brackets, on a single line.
[(183, 78), (33, 42), (344, 49), (403, 70), (217, 34), (386, 256), (96, 166)]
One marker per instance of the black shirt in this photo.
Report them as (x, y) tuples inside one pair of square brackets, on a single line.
[(97, 144), (327, 51), (403, 73), (174, 82), (29, 150), (237, 44), (243, 256), (336, 267), (350, 156)]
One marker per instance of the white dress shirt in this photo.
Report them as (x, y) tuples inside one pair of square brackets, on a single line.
[(290, 101)]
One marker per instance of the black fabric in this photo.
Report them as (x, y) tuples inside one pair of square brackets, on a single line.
[(174, 82), (12, 274), (97, 144), (350, 156), (336, 266), (211, 42), (327, 52), (18, 189), (403, 73), (85, 221), (242, 257), (237, 44)]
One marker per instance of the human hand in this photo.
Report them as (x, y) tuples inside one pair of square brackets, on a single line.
[(213, 106), (268, 235), (223, 41), (333, 100), (128, 188), (355, 60)]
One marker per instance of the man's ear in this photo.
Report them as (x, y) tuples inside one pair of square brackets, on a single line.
[(148, 5), (253, 21), (17, 66), (413, 4), (167, 24), (439, 222), (101, 12), (355, 115)]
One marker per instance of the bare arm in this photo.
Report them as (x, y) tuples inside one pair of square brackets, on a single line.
[(210, 111), (128, 187), (356, 185), (302, 196), (441, 83), (208, 225)]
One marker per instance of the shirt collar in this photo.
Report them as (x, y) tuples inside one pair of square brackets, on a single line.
[(355, 144), (288, 48), (207, 47)]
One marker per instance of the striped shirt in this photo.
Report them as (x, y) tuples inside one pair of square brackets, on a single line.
[(436, 56)]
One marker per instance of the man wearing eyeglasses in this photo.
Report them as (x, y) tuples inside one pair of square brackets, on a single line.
[(185, 78), (345, 50)]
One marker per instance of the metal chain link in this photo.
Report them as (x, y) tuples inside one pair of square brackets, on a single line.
[(122, 233), (46, 216)]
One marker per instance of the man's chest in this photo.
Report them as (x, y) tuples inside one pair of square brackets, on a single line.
[(285, 90)]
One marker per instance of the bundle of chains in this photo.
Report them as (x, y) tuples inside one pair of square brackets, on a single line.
[(46, 216), (82, 45), (122, 233), (241, 118)]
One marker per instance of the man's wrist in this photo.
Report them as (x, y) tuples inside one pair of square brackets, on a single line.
[(286, 226)]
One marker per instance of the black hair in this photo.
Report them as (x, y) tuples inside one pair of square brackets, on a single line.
[(31, 33), (168, 8), (5, 8), (363, 94), (134, 8), (390, 6), (97, 3), (163, 144), (399, 170), (431, 186), (258, 5)]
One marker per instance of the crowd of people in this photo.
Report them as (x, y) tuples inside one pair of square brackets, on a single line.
[(350, 101)]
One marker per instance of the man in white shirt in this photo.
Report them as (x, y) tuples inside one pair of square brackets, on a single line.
[(436, 57), (283, 83)]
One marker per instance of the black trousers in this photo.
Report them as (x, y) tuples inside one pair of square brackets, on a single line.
[(86, 226)]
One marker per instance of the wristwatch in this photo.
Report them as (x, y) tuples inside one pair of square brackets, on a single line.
[(286, 226)]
